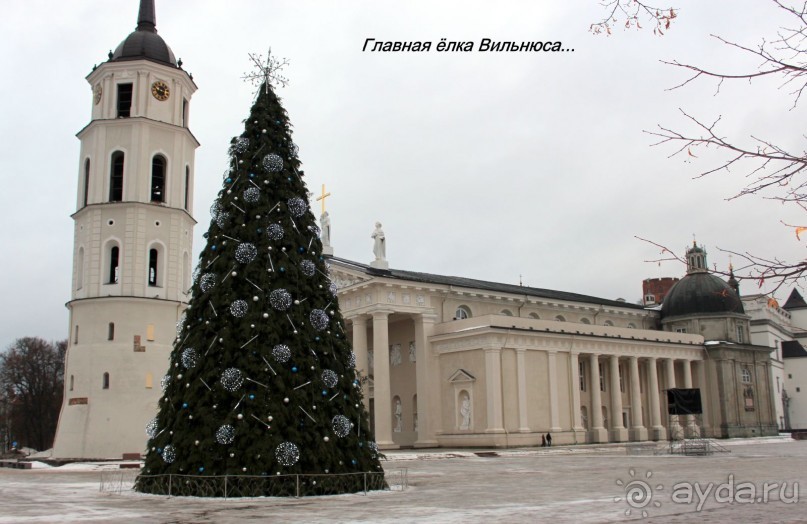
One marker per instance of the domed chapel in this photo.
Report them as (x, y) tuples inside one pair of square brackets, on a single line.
[(444, 361)]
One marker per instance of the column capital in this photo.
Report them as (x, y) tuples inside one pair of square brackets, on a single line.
[(426, 317), (358, 319), (380, 312)]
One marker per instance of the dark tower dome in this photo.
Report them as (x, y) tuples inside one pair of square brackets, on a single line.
[(699, 291), (144, 43)]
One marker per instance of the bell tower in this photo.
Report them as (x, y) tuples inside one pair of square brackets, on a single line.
[(133, 242)]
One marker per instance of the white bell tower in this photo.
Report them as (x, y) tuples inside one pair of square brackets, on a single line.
[(132, 249)]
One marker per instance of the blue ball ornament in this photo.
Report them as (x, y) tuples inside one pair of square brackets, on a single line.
[(324, 392), (294, 369), (252, 175), (282, 269), (353, 462), (316, 338), (213, 247), (288, 178), (301, 250), (184, 405), (201, 469), (229, 180), (260, 230), (251, 397)]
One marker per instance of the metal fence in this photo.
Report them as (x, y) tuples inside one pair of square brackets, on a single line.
[(231, 486)]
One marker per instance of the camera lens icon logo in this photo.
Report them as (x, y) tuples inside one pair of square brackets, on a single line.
[(638, 493)]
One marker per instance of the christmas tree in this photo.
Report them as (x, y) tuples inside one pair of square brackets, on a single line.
[(262, 388)]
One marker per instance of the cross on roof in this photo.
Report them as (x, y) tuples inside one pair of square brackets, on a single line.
[(322, 197)]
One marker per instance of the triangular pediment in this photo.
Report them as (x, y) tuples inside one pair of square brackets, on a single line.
[(344, 279), (461, 376)]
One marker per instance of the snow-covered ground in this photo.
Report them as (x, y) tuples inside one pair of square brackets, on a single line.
[(580, 484)]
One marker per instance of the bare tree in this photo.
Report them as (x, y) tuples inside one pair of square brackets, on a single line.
[(774, 172), (631, 13), (32, 382)]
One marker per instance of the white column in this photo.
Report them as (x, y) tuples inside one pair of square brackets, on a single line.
[(618, 431), (382, 399), (425, 364), (493, 379), (706, 418), (574, 384), (598, 433), (521, 374), (657, 431), (692, 430), (674, 429), (360, 350), (637, 431), (552, 380)]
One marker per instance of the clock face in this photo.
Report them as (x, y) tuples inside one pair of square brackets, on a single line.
[(160, 91), (96, 93)]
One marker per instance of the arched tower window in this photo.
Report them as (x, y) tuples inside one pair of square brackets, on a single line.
[(105, 383), (184, 112), (153, 266), (72, 382), (158, 179), (111, 331), (507, 313), (114, 268), (124, 100), (86, 196), (187, 187), (116, 177)]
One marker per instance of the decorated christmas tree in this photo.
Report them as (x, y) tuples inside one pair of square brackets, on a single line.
[(262, 389)]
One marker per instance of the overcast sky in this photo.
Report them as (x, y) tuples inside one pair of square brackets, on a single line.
[(482, 165)]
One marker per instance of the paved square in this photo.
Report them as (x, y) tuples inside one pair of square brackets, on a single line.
[(558, 485)]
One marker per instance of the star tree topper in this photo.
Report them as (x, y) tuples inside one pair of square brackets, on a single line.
[(266, 71)]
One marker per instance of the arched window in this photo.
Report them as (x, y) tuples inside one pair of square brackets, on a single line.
[(85, 200), (184, 112), (111, 331), (116, 177), (631, 326), (535, 316), (560, 318), (80, 269), (105, 383), (746, 375), (72, 382), (75, 335), (462, 312), (507, 313), (158, 179), (186, 273), (608, 323), (584, 320), (187, 188), (114, 257), (153, 259)]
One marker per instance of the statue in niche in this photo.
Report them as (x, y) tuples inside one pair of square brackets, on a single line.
[(398, 416), (465, 412), (412, 352), (380, 242), (395, 355), (325, 228)]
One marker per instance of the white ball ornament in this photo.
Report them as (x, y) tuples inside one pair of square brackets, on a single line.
[(296, 302), (266, 315), (196, 442), (243, 469), (232, 455), (229, 191), (286, 400), (234, 273), (255, 298), (326, 439), (270, 418), (179, 376), (240, 416)]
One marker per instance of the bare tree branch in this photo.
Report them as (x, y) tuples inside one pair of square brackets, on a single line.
[(633, 12)]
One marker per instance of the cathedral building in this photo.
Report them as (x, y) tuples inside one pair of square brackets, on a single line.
[(445, 361), (132, 248), (458, 362)]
